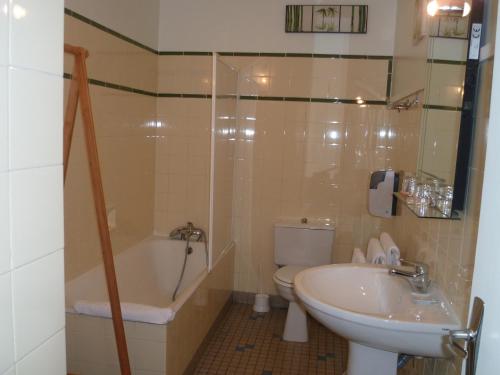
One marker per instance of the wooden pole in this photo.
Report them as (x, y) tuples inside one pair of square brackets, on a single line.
[(70, 116), (100, 205)]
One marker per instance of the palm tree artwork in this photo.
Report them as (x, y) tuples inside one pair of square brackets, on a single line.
[(328, 22), (326, 19), (323, 13)]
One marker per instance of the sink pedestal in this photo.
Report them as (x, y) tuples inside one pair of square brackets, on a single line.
[(364, 360)]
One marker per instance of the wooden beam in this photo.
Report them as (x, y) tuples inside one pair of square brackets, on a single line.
[(70, 116), (100, 205)]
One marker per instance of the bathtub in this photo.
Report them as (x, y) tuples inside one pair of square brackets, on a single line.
[(147, 274)]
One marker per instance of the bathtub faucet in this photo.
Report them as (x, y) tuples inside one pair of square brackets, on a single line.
[(188, 232)]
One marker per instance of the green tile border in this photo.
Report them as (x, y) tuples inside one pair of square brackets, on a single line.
[(114, 86), (184, 53), (442, 107), (305, 55), (116, 34), (106, 29), (447, 62), (311, 100)]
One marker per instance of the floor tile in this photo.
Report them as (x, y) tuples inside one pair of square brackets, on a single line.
[(250, 343)]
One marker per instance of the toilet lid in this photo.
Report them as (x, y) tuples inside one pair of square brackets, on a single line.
[(287, 274)]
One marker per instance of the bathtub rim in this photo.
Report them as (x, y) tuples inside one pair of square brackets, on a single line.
[(186, 293)]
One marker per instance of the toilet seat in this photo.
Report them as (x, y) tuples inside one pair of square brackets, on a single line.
[(285, 275)]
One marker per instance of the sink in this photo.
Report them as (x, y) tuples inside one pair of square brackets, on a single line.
[(379, 314)]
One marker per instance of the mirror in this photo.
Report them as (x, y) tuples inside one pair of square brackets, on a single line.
[(441, 115), (433, 71)]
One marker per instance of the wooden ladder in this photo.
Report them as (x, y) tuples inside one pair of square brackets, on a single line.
[(79, 92)]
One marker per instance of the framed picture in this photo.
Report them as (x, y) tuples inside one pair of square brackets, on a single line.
[(347, 19)]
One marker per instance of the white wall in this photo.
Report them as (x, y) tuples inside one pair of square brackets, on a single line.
[(32, 339), (258, 26), (135, 19)]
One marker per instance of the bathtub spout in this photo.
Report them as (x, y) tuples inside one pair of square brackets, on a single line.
[(188, 233)]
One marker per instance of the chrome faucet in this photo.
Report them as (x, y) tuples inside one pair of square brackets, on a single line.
[(418, 279), (188, 232)]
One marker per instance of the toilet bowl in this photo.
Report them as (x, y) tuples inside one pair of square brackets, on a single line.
[(296, 319), (299, 244)]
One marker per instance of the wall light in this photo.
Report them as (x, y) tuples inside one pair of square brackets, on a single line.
[(448, 7), (432, 8)]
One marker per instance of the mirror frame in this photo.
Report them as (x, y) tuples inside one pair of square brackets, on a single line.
[(465, 141)]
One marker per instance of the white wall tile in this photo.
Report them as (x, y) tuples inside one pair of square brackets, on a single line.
[(36, 36), (4, 139), (11, 371), (37, 225), (4, 32), (48, 359), (36, 110), (4, 224), (38, 299), (6, 334)]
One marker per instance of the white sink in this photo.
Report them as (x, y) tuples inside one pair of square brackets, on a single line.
[(378, 313)]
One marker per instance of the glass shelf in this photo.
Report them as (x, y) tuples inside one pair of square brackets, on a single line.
[(426, 212)]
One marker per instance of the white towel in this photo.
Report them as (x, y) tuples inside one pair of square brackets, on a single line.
[(358, 256), (130, 311), (375, 253), (391, 250)]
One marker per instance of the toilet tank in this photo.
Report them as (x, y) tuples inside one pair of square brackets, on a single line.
[(303, 244)]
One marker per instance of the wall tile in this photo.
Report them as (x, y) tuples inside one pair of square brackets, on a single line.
[(4, 139), (4, 224), (49, 358), (31, 48), (11, 371), (111, 59), (35, 134), (4, 32), (6, 322), (39, 213), (38, 299)]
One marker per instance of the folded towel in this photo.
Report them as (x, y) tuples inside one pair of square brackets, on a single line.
[(375, 253), (130, 311), (391, 250), (358, 256)]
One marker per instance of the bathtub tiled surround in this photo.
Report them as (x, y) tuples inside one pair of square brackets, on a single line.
[(126, 137), (154, 349), (31, 216), (182, 171)]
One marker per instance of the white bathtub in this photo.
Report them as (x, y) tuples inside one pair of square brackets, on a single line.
[(147, 274)]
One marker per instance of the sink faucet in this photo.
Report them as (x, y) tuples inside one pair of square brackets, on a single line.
[(418, 279)]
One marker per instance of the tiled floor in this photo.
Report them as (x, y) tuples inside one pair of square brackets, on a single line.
[(250, 343)]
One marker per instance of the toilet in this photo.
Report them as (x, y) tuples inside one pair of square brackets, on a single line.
[(298, 246)]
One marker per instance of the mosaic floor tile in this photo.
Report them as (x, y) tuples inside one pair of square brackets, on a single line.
[(250, 343)]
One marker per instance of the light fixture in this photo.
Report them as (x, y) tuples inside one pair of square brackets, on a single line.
[(448, 7), (432, 8), (467, 9)]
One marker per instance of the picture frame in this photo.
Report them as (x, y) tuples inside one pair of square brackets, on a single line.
[(330, 19)]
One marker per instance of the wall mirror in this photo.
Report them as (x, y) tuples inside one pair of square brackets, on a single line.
[(444, 85)]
